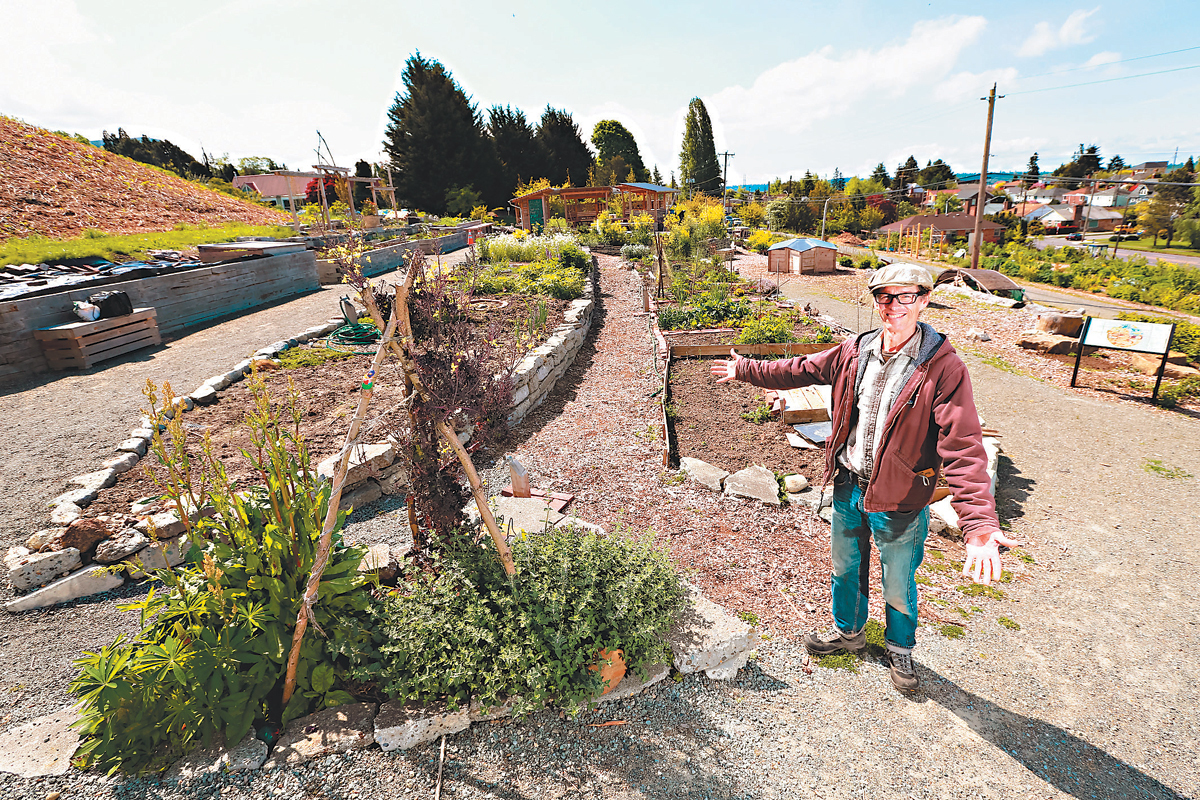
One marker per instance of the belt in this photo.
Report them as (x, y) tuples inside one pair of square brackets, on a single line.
[(856, 479)]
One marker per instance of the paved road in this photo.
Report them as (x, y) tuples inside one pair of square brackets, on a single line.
[(1123, 252)]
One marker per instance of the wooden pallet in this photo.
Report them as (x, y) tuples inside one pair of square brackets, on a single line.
[(79, 345)]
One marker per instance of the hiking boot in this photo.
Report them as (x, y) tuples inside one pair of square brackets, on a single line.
[(904, 674), (833, 640)]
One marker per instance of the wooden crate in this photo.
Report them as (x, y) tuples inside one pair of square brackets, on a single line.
[(802, 405), (79, 345)]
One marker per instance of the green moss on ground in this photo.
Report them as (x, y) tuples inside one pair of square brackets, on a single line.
[(981, 590), (1011, 624), (952, 631), (298, 357)]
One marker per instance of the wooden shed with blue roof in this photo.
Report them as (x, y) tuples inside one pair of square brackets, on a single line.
[(800, 256)]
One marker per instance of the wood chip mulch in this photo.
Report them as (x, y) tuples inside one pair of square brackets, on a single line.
[(57, 187)]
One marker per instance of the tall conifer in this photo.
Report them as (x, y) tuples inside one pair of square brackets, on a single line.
[(567, 155), (699, 169)]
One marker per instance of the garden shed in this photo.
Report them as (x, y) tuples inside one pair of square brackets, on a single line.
[(581, 205), (798, 256)]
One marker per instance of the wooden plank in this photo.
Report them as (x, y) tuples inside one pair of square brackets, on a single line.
[(100, 336), (98, 351), (118, 351), (82, 328), (802, 405)]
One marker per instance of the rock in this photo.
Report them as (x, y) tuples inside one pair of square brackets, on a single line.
[(401, 726), (528, 514), (480, 714), (85, 582), (976, 335), (360, 496), (122, 463), (754, 482), (1148, 364), (334, 730), (394, 479), (82, 534), (248, 755), (242, 366), (218, 382), (945, 514), (1049, 343), (704, 473), (165, 524), (80, 497), (42, 747), (35, 569), (233, 376), (40, 539), (632, 685), (123, 545), (705, 636), (728, 669), (799, 442), (205, 395), (133, 445), (142, 433), (795, 483), (379, 560), (16, 556), (1059, 324), (95, 481), (183, 404), (65, 513), (364, 460), (162, 555)]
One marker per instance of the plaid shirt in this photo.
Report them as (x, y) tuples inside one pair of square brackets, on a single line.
[(881, 383)]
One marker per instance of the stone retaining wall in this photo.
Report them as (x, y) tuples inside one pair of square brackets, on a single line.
[(383, 259), (537, 373)]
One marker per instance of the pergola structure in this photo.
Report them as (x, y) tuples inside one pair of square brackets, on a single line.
[(647, 198), (583, 204)]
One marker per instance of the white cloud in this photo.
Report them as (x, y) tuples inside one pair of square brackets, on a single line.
[(1101, 59), (969, 85), (1072, 32)]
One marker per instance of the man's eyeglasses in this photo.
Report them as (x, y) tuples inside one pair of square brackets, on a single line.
[(905, 299)]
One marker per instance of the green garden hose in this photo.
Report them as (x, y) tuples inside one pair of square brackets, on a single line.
[(352, 338)]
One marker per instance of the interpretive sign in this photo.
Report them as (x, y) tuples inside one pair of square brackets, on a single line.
[(1119, 334)]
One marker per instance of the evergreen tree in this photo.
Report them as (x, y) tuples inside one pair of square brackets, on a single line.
[(1190, 166), (698, 166), (435, 139), (937, 174), (612, 140), (1116, 164), (157, 152), (906, 173), (807, 183), (1089, 159), (362, 191), (521, 159), (673, 184), (656, 176), (567, 155), (881, 175), (839, 182), (1032, 173)]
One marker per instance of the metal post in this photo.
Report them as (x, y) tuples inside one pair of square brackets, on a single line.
[(979, 200)]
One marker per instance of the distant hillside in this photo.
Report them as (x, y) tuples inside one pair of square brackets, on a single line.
[(58, 187)]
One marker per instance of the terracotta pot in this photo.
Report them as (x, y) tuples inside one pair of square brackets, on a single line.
[(612, 671)]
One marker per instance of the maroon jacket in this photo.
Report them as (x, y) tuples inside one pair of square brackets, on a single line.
[(933, 425)]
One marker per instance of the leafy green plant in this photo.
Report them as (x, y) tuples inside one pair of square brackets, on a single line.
[(951, 631), (213, 645), (760, 414), (766, 329), (299, 357), (466, 630), (635, 252), (1012, 625), (1155, 466)]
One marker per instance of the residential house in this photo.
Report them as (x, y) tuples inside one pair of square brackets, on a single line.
[(277, 189), (1148, 169), (1041, 193), (1057, 217), (969, 195), (1113, 197), (798, 256), (1097, 218), (951, 226)]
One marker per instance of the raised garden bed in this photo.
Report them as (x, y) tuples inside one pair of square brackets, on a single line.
[(704, 419)]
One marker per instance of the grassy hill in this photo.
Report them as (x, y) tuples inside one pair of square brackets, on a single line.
[(57, 187)]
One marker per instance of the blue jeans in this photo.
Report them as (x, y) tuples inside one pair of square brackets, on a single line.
[(900, 538)]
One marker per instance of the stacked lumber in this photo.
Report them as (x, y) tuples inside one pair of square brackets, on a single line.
[(79, 345)]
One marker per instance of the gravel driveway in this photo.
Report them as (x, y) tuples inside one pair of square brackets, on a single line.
[(1094, 696)]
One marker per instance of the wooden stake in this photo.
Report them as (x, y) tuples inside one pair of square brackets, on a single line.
[(325, 544)]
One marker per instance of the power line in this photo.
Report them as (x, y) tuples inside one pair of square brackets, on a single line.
[(1107, 80), (1106, 63)]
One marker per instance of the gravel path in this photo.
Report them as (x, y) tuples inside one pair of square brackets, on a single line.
[(1094, 696)]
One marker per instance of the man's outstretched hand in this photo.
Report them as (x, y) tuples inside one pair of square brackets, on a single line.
[(983, 559), (726, 370)]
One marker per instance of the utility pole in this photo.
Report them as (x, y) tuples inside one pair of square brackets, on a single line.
[(980, 200), (725, 184)]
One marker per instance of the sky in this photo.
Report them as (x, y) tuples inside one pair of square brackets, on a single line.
[(790, 86)]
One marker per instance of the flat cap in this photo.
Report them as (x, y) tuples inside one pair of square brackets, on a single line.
[(901, 274)]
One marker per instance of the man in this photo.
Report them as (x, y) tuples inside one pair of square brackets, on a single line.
[(903, 412)]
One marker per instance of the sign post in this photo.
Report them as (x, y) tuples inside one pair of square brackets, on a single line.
[(1137, 337)]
